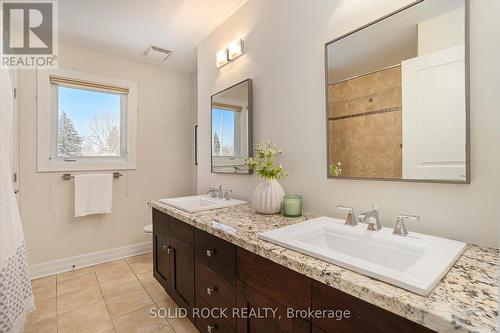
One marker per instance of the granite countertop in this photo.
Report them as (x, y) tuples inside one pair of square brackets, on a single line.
[(466, 300)]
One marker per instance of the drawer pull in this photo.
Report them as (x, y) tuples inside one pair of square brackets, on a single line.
[(211, 328), (210, 253), (210, 291)]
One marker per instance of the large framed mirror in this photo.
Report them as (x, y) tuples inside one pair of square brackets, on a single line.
[(231, 128), (397, 96)]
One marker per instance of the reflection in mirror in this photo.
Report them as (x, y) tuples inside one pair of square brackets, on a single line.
[(397, 96), (231, 128)]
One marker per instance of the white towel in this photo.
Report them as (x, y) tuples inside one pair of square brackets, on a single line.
[(93, 194)]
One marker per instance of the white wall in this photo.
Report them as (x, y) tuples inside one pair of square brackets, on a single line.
[(442, 32), (194, 121), (284, 42), (163, 167)]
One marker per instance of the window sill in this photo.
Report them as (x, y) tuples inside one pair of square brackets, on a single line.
[(88, 165)]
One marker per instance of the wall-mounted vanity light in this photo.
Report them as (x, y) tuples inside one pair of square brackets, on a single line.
[(231, 52), (222, 58)]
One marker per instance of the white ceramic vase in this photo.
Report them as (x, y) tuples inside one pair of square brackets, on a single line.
[(268, 197)]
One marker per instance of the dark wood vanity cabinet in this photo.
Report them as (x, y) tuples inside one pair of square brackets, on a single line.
[(173, 258), (202, 272), (263, 284), (182, 264), (215, 282), (363, 316), (161, 246)]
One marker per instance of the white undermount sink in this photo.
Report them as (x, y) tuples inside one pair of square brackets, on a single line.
[(416, 262), (200, 203)]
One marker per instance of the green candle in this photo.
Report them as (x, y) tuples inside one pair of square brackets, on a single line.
[(292, 205)]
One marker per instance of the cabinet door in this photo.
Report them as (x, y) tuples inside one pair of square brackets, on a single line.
[(257, 319), (363, 316), (182, 270), (161, 249)]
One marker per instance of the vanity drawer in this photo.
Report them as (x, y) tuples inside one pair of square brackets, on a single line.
[(283, 285), (215, 323), (268, 315), (214, 290), (217, 254), (364, 317)]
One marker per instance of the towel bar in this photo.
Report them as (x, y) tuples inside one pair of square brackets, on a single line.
[(68, 176)]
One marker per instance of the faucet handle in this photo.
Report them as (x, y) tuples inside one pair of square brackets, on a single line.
[(227, 194), (212, 192), (372, 224), (400, 227), (351, 217)]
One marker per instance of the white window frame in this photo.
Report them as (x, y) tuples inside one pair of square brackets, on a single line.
[(48, 161)]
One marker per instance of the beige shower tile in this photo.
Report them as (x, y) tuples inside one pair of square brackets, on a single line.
[(87, 318), (139, 321), (75, 273), (77, 283), (73, 301), (131, 300)]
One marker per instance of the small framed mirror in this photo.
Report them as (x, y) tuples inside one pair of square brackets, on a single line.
[(397, 96), (231, 128)]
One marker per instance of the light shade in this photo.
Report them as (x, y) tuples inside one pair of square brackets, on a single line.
[(235, 49), (222, 57)]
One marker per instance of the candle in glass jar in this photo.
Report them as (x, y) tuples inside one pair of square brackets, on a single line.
[(292, 205)]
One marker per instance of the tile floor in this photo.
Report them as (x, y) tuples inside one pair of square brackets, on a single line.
[(112, 297)]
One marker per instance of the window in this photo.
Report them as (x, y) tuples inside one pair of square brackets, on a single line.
[(228, 130), (86, 122), (225, 132)]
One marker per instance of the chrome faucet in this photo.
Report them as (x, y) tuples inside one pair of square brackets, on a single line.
[(351, 217), (369, 216), (220, 192), (211, 191), (400, 227), (227, 194)]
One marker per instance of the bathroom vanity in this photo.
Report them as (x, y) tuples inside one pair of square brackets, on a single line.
[(202, 266)]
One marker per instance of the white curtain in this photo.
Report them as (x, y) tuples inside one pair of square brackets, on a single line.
[(16, 296)]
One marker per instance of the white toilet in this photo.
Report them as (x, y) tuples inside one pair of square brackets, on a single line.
[(148, 228)]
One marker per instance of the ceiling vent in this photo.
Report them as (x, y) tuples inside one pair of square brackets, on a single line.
[(155, 52)]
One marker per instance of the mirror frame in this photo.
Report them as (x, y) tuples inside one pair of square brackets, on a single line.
[(250, 126), (467, 102)]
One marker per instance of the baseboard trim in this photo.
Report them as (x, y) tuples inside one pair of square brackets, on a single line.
[(89, 259)]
